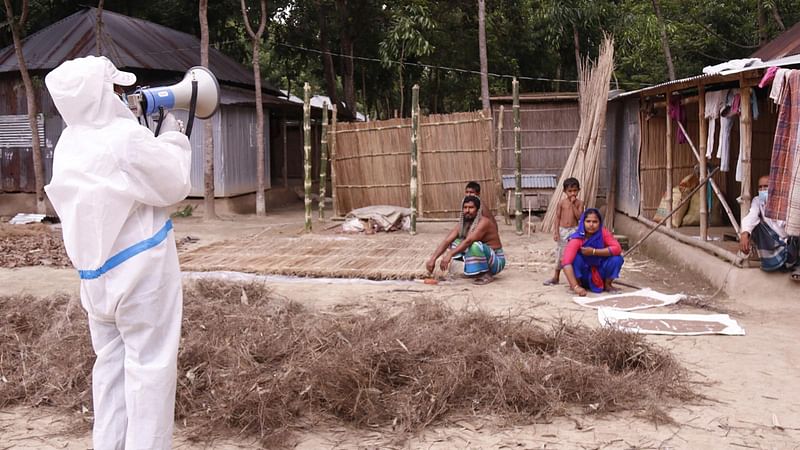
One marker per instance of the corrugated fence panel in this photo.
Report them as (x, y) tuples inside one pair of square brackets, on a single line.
[(196, 141), (626, 150), (17, 172), (239, 141), (372, 164), (454, 149)]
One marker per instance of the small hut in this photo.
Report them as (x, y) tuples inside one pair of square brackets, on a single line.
[(158, 56)]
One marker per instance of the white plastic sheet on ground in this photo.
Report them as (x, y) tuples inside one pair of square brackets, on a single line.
[(630, 301), (671, 324)]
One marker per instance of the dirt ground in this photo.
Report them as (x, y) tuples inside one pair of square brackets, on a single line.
[(751, 381)]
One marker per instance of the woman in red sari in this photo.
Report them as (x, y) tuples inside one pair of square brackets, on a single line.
[(592, 259)]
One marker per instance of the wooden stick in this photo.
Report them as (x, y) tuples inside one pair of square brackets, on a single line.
[(701, 107), (332, 152), (285, 168), (713, 183), (746, 140), (413, 183), (500, 190), (669, 155), (307, 154), (707, 246), (323, 161), (518, 159), (665, 219)]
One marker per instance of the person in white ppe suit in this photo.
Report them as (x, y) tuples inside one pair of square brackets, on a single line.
[(112, 181)]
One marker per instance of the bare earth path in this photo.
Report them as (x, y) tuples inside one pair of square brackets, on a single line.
[(752, 381)]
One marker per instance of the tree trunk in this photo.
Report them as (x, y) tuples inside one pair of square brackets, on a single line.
[(576, 41), (664, 40), (400, 71), (255, 36), (17, 25), (348, 72), (327, 59), (761, 16), (776, 15), (208, 136), (98, 31), (483, 56)]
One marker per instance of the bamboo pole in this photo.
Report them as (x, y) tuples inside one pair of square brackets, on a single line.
[(414, 128), (323, 161), (333, 162), (518, 163), (307, 153), (669, 156), (713, 184), (703, 139), (702, 183), (420, 154), (503, 206), (707, 246), (745, 140), (285, 169)]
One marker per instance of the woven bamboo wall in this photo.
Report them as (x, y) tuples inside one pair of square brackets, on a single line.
[(548, 132), (373, 163), (454, 150), (653, 157)]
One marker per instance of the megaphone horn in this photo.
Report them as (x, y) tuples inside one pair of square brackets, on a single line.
[(179, 96)]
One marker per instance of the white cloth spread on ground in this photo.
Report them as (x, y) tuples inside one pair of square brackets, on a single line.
[(670, 324), (112, 181), (630, 301), (383, 217)]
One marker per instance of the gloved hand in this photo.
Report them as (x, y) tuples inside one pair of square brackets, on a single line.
[(170, 123)]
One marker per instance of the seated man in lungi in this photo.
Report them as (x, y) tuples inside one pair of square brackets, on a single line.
[(474, 239), (776, 250)]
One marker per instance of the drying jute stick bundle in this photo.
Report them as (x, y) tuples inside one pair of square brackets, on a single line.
[(584, 158)]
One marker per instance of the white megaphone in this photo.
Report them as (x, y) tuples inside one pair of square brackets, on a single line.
[(198, 92)]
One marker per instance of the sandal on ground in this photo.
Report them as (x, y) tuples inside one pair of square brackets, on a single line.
[(614, 290), (795, 275), (550, 282)]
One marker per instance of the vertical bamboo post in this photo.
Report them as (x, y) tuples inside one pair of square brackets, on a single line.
[(701, 119), (323, 161), (669, 156), (518, 161), (746, 140), (502, 206), (307, 153), (414, 129), (333, 161), (285, 169)]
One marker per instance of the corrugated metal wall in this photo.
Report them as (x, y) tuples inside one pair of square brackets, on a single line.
[(622, 137), (234, 129)]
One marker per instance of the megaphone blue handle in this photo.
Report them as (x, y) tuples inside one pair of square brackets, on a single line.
[(158, 97)]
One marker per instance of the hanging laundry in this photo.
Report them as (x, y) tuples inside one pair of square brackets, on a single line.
[(724, 148), (768, 76), (784, 193), (715, 100), (777, 85), (754, 103), (678, 113), (733, 64)]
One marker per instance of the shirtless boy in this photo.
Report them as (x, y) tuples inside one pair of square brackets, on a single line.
[(569, 212)]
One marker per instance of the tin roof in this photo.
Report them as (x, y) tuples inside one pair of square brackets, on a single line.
[(531, 181), (129, 42), (787, 43)]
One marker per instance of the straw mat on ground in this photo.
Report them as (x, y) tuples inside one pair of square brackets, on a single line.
[(377, 257), (254, 364), (31, 245)]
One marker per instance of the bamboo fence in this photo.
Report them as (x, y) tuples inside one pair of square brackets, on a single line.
[(372, 163)]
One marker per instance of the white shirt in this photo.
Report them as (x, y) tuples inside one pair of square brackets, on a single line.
[(752, 219)]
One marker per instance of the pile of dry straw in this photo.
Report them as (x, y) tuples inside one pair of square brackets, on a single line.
[(255, 364)]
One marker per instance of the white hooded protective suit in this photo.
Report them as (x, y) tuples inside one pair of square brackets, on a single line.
[(112, 181)]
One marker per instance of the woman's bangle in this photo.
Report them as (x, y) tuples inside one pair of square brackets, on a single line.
[(576, 286), (593, 251)]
